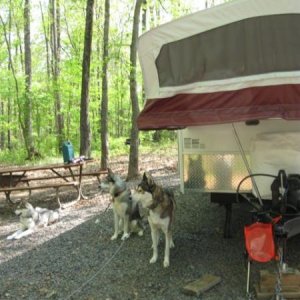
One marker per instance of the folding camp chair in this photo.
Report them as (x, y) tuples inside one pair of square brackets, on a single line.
[(268, 241), (261, 247)]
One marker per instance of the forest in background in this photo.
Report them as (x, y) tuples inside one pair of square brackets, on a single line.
[(43, 55)]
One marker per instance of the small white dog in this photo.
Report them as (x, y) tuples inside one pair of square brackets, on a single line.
[(31, 218), (161, 205)]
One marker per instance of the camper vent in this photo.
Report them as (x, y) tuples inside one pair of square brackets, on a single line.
[(192, 144)]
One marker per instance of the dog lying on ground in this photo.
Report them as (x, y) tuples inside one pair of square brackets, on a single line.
[(31, 218), (161, 205), (126, 211)]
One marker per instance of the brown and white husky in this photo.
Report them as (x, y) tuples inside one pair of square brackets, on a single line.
[(161, 204)]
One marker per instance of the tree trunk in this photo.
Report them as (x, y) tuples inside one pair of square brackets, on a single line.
[(46, 36), (133, 169), (28, 136), (2, 133), (85, 134), (12, 69), (19, 47), (104, 102), (10, 98), (72, 43), (144, 16), (56, 47)]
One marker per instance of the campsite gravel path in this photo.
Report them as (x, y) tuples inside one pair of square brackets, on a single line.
[(75, 258)]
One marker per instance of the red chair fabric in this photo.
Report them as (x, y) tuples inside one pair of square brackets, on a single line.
[(259, 241)]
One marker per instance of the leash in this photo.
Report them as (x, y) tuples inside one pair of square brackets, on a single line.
[(92, 277), (104, 265), (107, 207)]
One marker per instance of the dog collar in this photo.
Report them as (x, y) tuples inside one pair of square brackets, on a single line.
[(118, 194)]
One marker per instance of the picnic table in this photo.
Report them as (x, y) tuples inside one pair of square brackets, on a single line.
[(56, 176)]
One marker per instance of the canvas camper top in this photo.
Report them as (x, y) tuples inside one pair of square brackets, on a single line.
[(234, 62)]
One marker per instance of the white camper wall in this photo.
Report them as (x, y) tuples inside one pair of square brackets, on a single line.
[(208, 154), (151, 43), (210, 158)]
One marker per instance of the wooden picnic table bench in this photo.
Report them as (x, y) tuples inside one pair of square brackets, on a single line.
[(56, 186), (11, 179), (88, 174)]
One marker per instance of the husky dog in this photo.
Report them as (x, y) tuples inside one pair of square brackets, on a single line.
[(126, 211), (31, 218), (161, 205)]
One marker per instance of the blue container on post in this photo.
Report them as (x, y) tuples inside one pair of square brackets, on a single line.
[(68, 152)]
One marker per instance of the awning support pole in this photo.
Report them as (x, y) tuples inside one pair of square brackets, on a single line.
[(247, 164)]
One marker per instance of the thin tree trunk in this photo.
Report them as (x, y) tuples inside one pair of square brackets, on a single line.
[(56, 47), (2, 133), (10, 100), (68, 129), (12, 68), (133, 169), (19, 47), (46, 41), (117, 109), (85, 134), (28, 101), (144, 28), (104, 102), (72, 43), (98, 71), (144, 16), (60, 117)]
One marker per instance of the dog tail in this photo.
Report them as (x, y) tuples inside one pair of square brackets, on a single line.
[(171, 197), (170, 194)]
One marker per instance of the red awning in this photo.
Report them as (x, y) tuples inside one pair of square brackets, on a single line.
[(229, 63), (182, 110)]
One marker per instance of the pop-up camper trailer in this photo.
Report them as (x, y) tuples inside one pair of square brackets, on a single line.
[(229, 79)]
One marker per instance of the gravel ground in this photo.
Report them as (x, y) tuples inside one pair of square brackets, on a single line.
[(75, 258)]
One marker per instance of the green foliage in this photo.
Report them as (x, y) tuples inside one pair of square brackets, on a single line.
[(72, 24), (166, 138), (14, 157), (117, 146)]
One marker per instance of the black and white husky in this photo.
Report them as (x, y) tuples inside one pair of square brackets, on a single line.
[(31, 218), (161, 204), (127, 217)]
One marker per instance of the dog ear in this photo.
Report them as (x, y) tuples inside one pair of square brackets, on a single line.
[(148, 178), (29, 206), (145, 177)]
